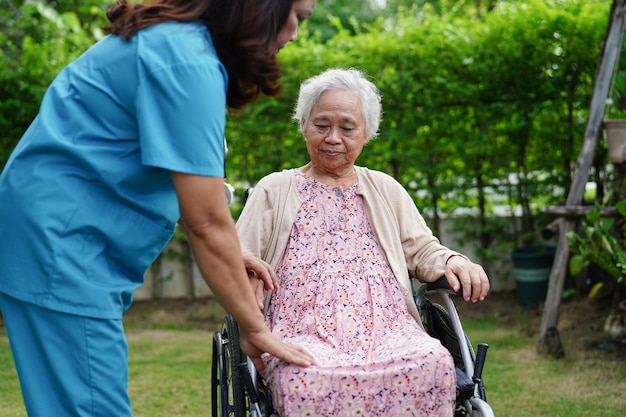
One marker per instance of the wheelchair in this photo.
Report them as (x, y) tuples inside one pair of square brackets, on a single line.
[(238, 391)]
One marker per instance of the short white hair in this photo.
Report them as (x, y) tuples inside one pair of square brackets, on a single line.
[(340, 79)]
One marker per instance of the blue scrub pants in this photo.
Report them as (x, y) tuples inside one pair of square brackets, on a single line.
[(67, 365)]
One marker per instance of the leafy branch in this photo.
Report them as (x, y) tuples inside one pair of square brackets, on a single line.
[(599, 244)]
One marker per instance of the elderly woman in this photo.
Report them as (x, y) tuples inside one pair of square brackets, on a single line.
[(340, 239)]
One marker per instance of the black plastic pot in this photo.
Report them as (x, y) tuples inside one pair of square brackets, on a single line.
[(532, 266)]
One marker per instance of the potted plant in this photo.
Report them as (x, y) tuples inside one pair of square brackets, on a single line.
[(532, 265), (532, 256), (602, 245), (615, 112), (615, 129)]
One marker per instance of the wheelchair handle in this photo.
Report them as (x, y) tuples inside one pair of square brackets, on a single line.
[(481, 355)]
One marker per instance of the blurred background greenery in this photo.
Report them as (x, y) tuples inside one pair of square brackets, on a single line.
[(485, 102)]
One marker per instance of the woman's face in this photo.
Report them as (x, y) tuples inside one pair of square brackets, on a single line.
[(300, 11), (335, 132)]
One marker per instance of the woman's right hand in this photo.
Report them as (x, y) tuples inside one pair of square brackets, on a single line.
[(254, 344)]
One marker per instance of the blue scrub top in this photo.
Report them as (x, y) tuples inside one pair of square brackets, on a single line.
[(86, 198)]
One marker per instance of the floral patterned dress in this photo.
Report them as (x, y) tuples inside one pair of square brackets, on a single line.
[(339, 299)]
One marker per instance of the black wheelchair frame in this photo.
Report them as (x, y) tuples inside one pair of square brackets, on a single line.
[(238, 391)]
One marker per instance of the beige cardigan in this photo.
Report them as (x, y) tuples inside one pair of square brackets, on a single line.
[(401, 232)]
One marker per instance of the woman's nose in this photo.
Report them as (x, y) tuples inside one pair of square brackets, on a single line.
[(294, 35), (333, 135)]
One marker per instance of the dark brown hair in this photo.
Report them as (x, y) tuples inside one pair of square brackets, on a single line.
[(244, 34)]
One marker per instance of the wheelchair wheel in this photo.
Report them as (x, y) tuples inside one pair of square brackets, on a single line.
[(227, 386)]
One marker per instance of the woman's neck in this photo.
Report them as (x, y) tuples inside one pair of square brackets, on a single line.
[(345, 178)]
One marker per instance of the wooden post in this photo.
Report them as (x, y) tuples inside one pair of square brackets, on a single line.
[(549, 339)]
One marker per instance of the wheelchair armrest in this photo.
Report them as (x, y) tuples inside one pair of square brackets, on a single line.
[(441, 284)]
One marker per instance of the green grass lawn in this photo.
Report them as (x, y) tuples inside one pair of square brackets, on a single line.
[(521, 383), (170, 373)]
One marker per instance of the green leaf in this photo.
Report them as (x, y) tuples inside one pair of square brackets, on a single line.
[(621, 207), (595, 289), (576, 264)]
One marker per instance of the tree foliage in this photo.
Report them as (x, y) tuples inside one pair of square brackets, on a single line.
[(481, 110), (484, 104), (37, 42)]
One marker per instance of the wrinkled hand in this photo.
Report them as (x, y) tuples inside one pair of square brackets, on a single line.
[(254, 344), (262, 277), (465, 274)]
